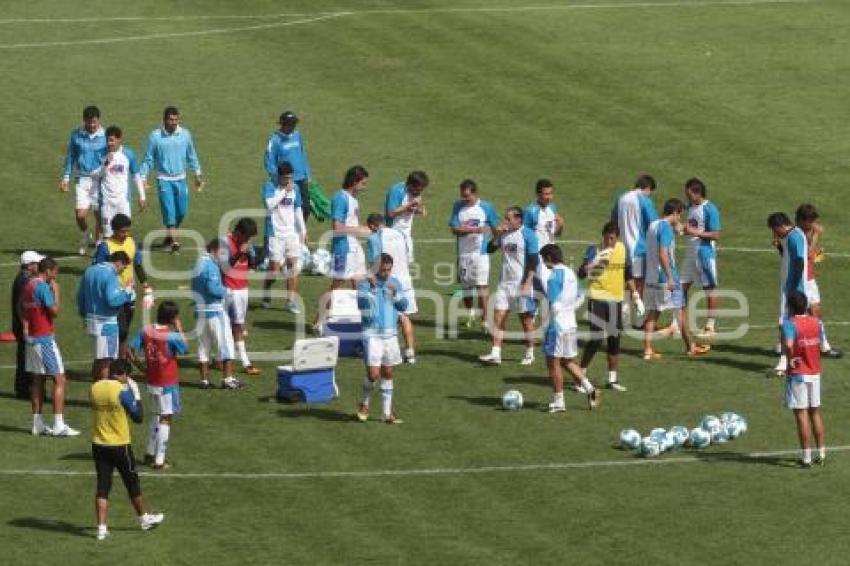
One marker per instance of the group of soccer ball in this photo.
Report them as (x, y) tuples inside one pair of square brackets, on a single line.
[(711, 430)]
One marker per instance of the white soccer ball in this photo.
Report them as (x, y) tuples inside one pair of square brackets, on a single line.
[(680, 434), (649, 448), (721, 436), (742, 422), (306, 260), (658, 432), (512, 400), (629, 438), (710, 424), (733, 429), (699, 438), (321, 262), (728, 417)]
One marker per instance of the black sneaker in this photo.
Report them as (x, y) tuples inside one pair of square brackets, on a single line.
[(833, 354), (205, 384), (820, 462), (175, 247)]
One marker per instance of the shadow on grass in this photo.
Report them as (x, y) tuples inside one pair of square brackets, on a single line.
[(77, 456), (495, 403), (319, 413), (275, 325), (539, 379), (51, 525), (462, 356), (744, 458), (743, 365), (47, 401), (14, 429), (748, 350)]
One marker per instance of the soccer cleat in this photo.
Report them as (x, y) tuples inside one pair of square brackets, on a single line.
[(557, 407), (231, 383), (699, 350), (162, 467), (65, 431), (527, 360), (616, 386), (707, 332), (205, 384), (410, 358), (251, 370), (293, 308), (41, 430), (594, 399), (392, 419), (175, 247), (651, 355), (102, 532), (149, 521), (833, 354), (362, 413), (820, 462), (490, 359)]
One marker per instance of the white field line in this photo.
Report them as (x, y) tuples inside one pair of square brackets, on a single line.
[(321, 16), (360, 474)]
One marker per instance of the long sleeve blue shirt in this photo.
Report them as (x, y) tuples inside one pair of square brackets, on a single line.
[(170, 154), (286, 147), (85, 152), (379, 309)]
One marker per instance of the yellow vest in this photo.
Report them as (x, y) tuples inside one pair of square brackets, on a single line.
[(607, 283), (111, 427), (128, 246)]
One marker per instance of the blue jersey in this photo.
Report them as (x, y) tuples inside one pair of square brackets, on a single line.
[(286, 147), (660, 236), (379, 309), (208, 288), (85, 153), (795, 257), (706, 218), (482, 214), (100, 295), (170, 154)]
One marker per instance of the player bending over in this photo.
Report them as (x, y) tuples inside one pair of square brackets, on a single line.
[(112, 401), (560, 345), (380, 301), (794, 257), (801, 344)]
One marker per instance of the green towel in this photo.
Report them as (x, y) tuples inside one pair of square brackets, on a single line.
[(320, 205)]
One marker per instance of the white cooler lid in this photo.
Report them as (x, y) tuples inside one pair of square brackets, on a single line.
[(315, 353)]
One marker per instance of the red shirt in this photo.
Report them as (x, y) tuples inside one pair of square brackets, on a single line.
[(806, 332), (36, 300), (161, 364), (235, 275)]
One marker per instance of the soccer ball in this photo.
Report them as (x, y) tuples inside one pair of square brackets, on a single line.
[(721, 436), (649, 448), (699, 438), (629, 438), (658, 432), (728, 417), (680, 435), (512, 400), (733, 429), (710, 424), (321, 263), (742, 422), (306, 260)]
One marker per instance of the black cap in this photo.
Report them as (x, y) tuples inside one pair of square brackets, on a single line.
[(288, 116)]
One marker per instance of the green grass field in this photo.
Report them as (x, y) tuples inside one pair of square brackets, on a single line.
[(749, 96)]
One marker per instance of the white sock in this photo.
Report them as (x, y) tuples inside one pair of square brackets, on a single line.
[(709, 323), (612, 377), (822, 452), (807, 455), (409, 353), (152, 434), (243, 354), (37, 420), (783, 362), (496, 351), (368, 387), (559, 398), (102, 528), (529, 352), (588, 387), (387, 396), (674, 325), (824, 343), (471, 313), (162, 442), (58, 422)]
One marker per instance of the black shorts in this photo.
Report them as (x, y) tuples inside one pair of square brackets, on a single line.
[(109, 458), (605, 317), (125, 319)]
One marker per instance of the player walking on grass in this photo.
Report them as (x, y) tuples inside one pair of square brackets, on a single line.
[(403, 202), (160, 344), (380, 301), (560, 345), (113, 179), (633, 213), (473, 222), (516, 284), (85, 153), (212, 321), (605, 269), (385, 240), (807, 220), (41, 301), (29, 269), (700, 266), (286, 233), (100, 299), (287, 145), (794, 257), (170, 151), (801, 344), (122, 241), (240, 259), (663, 289), (112, 401)]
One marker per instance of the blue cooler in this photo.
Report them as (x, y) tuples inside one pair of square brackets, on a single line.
[(343, 322), (311, 377)]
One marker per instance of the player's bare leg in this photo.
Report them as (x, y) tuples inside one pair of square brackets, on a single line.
[(483, 300), (386, 386), (373, 373), (239, 341), (495, 355), (816, 417), (271, 276), (291, 276), (409, 335), (804, 434), (527, 322), (81, 217), (648, 331), (581, 382)]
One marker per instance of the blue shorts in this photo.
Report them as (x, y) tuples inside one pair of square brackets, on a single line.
[(173, 201)]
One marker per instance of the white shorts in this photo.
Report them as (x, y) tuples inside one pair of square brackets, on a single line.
[(165, 401), (86, 194), (560, 345), (284, 247), (108, 211), (236, 303), (381, 351), (350, 266), (637, 265), (409, 239), (802, 391), (215, 329), (702, 270), (812, 292), (43, 357), (473, 270), (658, 298), (104, 337), (508, 298)]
